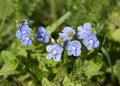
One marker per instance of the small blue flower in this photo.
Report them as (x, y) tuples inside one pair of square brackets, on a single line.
[(26, 40), (55, 51), (24, 29), (73, 48), (91, 41), (67, 34), (84, 30), (42, 35)]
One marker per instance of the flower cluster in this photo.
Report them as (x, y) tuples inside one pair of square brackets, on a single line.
[(73, 47), (89, 39), (42, 35), (23, 34)]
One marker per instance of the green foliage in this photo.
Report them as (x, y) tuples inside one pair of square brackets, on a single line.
[(28, 66)]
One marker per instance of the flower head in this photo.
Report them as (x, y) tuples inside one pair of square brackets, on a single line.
[(91, 41), (42, 35), (26, 40), (67, 34), (24, 29), (73, 48), (55, 51), (84, 30)]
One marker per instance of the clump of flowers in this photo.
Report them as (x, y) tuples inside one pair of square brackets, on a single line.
[(67, 34), (91, 41), (84, 31), (65, 40), (42, 35), (55, 51), (73, 48), (23, 34)]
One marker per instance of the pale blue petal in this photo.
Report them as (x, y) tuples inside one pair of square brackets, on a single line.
[(41, 29), (49, 48), (87, 26), (46, 39), (89, 47), (18, 34), (57, 57), (80, 29), (49, 56), (96, 44), (68, 46)]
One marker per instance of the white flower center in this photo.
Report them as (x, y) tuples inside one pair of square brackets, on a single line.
[(42, 35), (91, 41), (24, 31), (54, 51), (27, 38), (73, 47)]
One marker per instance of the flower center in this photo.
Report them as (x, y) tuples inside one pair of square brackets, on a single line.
[(42, 35), (91, 41), (27, 38), (24, 31), (54, 51), (73, 47)]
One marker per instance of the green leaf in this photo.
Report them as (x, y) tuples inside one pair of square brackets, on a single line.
[(92, 67), (116, 35), (8, 69), (46, 82), (117, 69), (9, 64), (7, 56), (108, 59)]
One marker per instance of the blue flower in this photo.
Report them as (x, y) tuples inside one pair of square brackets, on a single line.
[(91, 41), (55, 51), (67, 34), (84, 30), (73, 48), (42, 35), (26, 40), (24, 29)]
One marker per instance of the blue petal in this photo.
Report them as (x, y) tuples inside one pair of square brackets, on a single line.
[(49, 48), (65, 39), (18, 34), (58, 48), (89, 47), (57, 57), (41, 29), (24, 42), (25, 27), (39, 38), (96, 44), (69, 52), (92, 36), (68, 46), (85, 41), (49, 56), (87, 26), (46, 39), (77, 44), (68, 29), (29, 43), (80, 29), (77, 52), (62, 34)]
